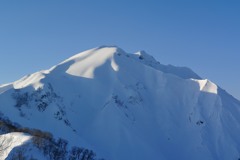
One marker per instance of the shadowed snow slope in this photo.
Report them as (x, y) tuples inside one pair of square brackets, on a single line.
[(127, 106)]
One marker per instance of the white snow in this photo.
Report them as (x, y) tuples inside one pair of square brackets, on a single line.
[(129, 106), (11, 140), (207, 86), (5, 87), (33, 79)]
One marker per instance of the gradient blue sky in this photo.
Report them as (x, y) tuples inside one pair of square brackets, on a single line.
[(201, 34)]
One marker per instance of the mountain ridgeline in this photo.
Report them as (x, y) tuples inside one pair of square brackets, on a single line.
[(107, 104)]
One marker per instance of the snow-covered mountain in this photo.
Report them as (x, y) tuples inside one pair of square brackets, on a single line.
[(118, 106)]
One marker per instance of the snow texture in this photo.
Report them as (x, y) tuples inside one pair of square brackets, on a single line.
[(126, 106)]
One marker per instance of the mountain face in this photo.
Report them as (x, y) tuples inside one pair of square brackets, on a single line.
[(106, 103)]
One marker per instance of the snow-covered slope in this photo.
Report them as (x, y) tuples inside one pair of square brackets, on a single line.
[(127, 106), (18, 145)]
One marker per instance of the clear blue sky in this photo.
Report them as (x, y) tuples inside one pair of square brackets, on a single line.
[(201, 34)]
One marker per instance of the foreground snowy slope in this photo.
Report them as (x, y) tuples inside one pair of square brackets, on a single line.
[(127, 106)]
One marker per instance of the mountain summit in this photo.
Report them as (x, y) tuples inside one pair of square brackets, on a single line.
[(106, 103)]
